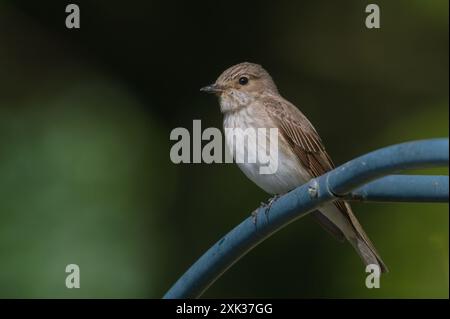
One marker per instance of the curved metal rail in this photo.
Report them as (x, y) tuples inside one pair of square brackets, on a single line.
[(362, 179)]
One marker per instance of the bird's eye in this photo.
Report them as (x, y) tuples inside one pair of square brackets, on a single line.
[(243, 80)]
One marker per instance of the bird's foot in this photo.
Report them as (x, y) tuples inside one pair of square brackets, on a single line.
[(269, 204), (255, 216), (266, 206)]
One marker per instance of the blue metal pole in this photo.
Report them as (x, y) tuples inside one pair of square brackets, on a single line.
[(301, 201), (403, 188), (388, 160)]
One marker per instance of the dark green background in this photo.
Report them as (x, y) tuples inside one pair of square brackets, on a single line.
[(85, 118)]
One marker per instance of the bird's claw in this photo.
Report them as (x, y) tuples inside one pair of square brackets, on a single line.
[(267, 206), (255, 216)]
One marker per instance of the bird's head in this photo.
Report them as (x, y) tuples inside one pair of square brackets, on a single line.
[(240, 84)]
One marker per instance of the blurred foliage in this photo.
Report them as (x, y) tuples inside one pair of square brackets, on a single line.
[(85, 117)]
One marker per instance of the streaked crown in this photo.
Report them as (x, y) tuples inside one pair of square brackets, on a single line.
[(247, 76)]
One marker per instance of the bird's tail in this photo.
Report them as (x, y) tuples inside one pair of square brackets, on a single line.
[(367, 253), (341, 222), (362, 244)]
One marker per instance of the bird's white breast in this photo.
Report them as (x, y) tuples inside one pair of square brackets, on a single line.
[(289, 173)]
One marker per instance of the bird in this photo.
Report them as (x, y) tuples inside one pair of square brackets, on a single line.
[(249, 98)]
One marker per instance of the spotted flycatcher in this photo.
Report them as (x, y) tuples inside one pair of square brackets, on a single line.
[(249, 99)]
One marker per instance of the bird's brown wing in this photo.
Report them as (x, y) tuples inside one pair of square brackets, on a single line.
[(308, 147), (301, 135), (306, 144)]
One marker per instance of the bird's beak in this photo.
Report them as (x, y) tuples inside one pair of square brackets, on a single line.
[(213, 89)]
